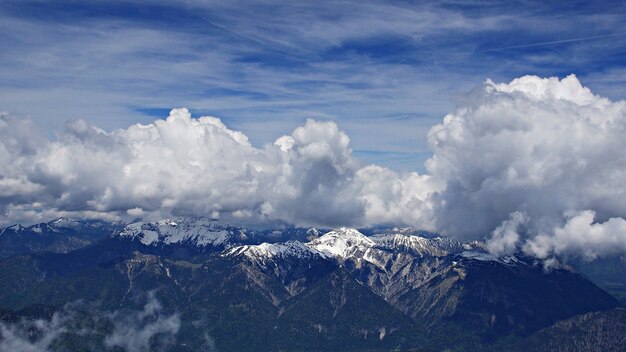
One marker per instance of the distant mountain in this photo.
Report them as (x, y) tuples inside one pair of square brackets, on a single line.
[(608, 273), (207, 234), (591, 332), (193, 232), (61, 236), (245, 290)]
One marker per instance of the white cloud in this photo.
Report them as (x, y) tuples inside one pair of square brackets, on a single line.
[(393, 198), (188, 166), (581, 236), (542, 147), (538, 147), (19, 336), (504, 239), (148, 329)]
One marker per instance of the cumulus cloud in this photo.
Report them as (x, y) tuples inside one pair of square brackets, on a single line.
[(581, 236), (541, 147), (188, 166), (504, 238), (511, 164)]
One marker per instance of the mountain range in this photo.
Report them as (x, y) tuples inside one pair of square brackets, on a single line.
[(200, 284)]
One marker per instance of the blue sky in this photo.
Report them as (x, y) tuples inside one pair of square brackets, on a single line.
[(384, 71)]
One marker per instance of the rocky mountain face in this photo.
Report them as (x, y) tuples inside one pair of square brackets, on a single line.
[(250, 290), (439, 281)]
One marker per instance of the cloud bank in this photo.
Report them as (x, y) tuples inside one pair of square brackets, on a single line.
[(188, 166), (536, 164)]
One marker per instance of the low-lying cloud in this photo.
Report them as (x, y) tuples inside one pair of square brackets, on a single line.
[(32, 335), (148, 329), (535, 164)]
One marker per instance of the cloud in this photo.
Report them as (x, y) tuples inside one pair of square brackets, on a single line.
[(148, 329), (504, 238), (581, 236), (19, 337), (266, 66), (512, 163), (179, 165), (188, 166), (542, 147)]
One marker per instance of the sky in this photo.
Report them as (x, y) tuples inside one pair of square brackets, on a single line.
[(501, 121), (384, 71)]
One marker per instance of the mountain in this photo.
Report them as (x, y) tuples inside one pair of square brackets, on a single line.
[(61, 236), (207, 234), (590, 332), (194, 232), (238, 289), (608, 273)]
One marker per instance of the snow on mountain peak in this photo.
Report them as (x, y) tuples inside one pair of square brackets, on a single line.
[(487, 257), (265, 252), (422, 246), (199, 232), (64, 223), (342, 243)]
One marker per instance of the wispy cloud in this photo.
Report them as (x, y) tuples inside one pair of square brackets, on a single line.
[(557, 42), (266, 66), (146, 329)]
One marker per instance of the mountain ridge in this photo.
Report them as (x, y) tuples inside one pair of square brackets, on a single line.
[(293, 293)]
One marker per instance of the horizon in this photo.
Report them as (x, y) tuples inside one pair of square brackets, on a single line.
[(486, 119)]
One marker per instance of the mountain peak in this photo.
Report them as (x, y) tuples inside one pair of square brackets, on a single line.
[(265, 252), (487, 257), (197, 231), (64, 223), (421, 246), (15, 228), (342, 243)]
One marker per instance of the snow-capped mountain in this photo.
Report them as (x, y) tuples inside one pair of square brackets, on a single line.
[(342, 243), (55, 226), (192, 231), (391, 264), (385, 284), (265, 252), (60, 235), (208, 234), (423, 277), (349, 244), (419, 246)]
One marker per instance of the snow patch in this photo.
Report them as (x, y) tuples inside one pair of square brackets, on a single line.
[(487, 257)]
